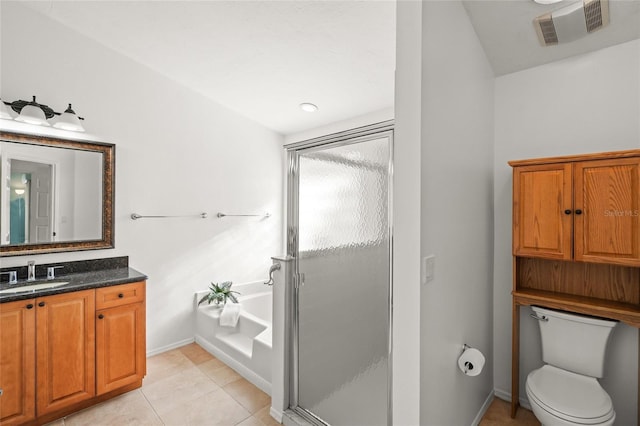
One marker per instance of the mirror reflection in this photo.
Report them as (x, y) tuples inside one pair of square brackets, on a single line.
[(56, 195)]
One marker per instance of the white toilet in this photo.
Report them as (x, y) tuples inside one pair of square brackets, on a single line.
[(565, 391)]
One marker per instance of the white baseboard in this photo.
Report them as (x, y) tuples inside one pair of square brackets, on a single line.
[(276, 414), (506, 396), (484, 408), (170, 347)]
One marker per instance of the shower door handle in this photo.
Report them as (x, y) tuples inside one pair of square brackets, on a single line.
[(299, 280)]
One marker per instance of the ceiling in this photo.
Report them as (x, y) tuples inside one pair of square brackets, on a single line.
[(259, 58), (506, 32), (263, 58)]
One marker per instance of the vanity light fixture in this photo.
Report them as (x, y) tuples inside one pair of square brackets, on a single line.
[(36, 113), (308, 107), (32, 112), (4, 112), (69, 121)]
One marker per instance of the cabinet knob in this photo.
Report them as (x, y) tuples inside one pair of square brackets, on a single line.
[(41, 304), (29, 306), (567, 211), (100, 316), (578, 211), (120, 295)]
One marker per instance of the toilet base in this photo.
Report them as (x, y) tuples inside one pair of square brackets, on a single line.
[(547, 419)]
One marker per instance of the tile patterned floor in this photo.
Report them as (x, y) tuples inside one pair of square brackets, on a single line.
[(183, 387), (188, 386)]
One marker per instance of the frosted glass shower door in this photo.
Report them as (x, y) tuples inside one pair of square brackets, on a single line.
[(344, 265)]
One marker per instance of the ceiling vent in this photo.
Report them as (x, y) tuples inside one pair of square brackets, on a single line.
[(572, 22)]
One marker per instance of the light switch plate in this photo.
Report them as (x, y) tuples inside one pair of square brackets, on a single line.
[(428, 268)]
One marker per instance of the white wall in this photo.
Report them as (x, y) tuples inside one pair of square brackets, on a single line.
[(584, 104), (406, 215), (176, 153), (457, 214)]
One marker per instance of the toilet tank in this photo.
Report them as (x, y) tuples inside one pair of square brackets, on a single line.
[(574, 342)]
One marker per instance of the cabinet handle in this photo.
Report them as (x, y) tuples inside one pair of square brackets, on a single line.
[(29, 306), (120, 295), (100, 316), (567, 211), (41, 304), (578, 211)]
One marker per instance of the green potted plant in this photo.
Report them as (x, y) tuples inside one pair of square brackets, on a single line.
[(219, 293)]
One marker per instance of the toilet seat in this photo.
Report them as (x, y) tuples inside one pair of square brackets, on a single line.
[(569, 396)]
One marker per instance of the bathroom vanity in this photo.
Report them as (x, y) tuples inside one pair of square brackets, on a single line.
[(576, 239), (72, 345)]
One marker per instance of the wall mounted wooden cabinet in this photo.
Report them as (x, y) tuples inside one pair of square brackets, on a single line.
[(576, 239), (586, 211), (68, 351)]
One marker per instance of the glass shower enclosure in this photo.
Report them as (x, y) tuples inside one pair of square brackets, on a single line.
[(339, 234)]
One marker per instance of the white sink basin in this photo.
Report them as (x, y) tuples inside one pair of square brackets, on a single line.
[(33, 287)]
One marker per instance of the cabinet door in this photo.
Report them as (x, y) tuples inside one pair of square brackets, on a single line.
[(17, 362), (542, 211), (607, 203), (120, 346), (65, 350)]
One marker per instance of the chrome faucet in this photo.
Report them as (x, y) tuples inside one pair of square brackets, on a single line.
[(13, 276), (31, 270)]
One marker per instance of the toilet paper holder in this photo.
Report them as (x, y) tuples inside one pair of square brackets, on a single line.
[(468, 366)]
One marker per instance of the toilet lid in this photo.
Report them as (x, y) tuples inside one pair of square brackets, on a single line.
[(570, 396)]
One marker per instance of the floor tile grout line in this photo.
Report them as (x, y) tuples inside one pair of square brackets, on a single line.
[(152, 407)]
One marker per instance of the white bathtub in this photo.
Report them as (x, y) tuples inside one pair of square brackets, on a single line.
[(246, 347)]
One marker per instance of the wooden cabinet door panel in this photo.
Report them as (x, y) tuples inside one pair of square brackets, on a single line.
[(65, 342), (17, 362), (120, 346), (541, 195), (607, 193)]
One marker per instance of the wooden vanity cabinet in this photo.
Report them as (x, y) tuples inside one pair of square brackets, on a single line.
[(65, 352), (587, 211), (576, 239), (120, 336), (65, 347), (17, 362)]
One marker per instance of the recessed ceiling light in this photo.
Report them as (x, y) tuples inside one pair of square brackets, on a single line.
[(547, 1), (308, 107)]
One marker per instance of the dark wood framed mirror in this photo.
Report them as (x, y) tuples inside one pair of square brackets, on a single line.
[(57, 195)]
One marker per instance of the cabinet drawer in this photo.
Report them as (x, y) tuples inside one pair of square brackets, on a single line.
[(117, 295)]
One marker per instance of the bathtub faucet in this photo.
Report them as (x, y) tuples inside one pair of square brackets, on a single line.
[(274, 267)]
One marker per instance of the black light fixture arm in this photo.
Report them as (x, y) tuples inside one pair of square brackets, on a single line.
[(48, 111)]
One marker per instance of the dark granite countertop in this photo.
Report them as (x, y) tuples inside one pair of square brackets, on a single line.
[(78, 278)]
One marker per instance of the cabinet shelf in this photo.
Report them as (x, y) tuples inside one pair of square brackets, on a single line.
[(625, 312)]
